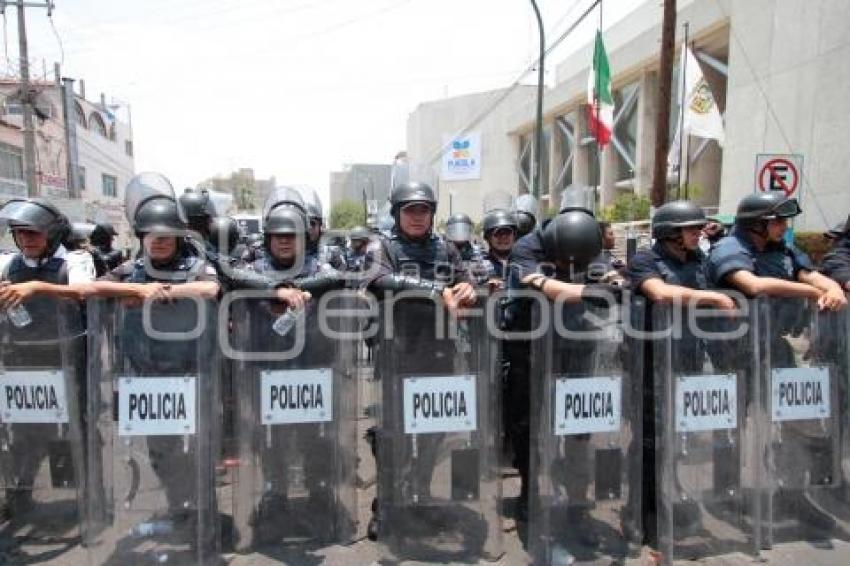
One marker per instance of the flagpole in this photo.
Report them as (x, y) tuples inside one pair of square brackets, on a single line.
[(683, 69), (538, 123), (596, 91)]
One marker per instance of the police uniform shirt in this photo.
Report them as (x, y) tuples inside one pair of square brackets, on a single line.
[(737, 252), (658, 263), (430, 259), (79, 265), (201, 270), (836, 264)]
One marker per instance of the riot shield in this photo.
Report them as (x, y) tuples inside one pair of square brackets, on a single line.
[(705, 365), (585, 470), (803, 401), (439, 485), (296, 426), (153, 387), (42, 384)]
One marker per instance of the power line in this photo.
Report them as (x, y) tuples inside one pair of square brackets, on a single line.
[(437, 155)]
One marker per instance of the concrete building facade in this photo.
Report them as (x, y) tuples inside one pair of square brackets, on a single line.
[(357, 178), (777, 71)]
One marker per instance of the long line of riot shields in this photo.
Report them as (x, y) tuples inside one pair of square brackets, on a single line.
[(712, 431)]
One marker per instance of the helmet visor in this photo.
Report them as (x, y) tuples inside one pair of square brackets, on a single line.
[(24, 214), (459, 232), (147, 186)]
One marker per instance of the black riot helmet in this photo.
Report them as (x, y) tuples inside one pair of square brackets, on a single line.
[(40, 215), (459, 227), (498, 219), (672, 216), (151, 206), (411, 192), (759, 207), (79, 234), (198, 208), (525, 212), (572, 239), (102, 234), (284, 213), (224, 234)]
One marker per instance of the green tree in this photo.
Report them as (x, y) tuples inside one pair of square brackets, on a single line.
[(627, 207), (347, 214)]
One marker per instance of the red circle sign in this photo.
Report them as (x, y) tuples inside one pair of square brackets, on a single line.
[(779, 175)]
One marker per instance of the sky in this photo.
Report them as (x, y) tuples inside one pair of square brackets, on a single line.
[(292, 88)]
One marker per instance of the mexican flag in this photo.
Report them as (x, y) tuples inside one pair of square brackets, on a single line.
[(600, 103)]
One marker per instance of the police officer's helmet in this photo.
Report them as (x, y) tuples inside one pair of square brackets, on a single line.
[(102, 234), (496, 219), (765, 206), (672, 216), (80, 232), (158, 215), (572, 238), (224, 234), (359, 233), (525, 223), (285, 219), (40, 215), (411, 192), (197, 205), (459, 227)]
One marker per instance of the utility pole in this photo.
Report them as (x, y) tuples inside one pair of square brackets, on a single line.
[(538, 122), (662, 124), (26, 104)]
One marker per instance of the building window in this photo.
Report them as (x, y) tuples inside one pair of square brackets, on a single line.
[(80, 116), (97, 124), (81, 177), (128, 147), (110, 185), (11, 162), (625, 130)]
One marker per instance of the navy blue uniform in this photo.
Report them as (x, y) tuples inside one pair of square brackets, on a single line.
[(836, 264)]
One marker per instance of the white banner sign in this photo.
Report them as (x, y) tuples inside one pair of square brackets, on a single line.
[(296, 396), (156, 406), (462, 157), (800, 394), (33, 397), (587, 404), (706, 402), (440, 404)]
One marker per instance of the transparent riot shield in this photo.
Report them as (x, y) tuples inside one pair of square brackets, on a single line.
[(803, 396), (42, 384), (439, 486), (153, 387), (586, 434), (296, 390), (705, 366)]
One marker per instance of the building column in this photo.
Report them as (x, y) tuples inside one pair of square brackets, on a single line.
[(647, 117)]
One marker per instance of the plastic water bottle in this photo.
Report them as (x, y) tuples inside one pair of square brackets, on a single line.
[(152, 529), (19, 316), (285, 322)]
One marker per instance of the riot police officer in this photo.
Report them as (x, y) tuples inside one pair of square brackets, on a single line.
[(670, 272), (330, 255), (836, 264), (459, 232), (42, 335), (199, 210), (224, 238), (500, 232), (525, 214), (355, 255), (552, 259), (412, 259), (756, 260), (101, 241)]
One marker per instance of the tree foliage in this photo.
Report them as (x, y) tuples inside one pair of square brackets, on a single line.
[(626, 208), (347, 214)]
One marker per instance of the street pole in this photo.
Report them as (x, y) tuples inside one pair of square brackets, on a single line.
[(26, 104), (72, 150), (29, 132), (538, 122), (662, 124)]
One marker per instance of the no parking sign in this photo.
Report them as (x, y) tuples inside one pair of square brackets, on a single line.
[(779, 172)]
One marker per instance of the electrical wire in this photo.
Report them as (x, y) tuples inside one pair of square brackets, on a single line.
[(58, 40)]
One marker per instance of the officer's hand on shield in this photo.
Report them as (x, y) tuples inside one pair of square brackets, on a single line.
[(147, 292), (833, 300), (13, 295), (294, 298), (721, 301), (459, 297)]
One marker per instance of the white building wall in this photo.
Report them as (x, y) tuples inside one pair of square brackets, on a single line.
[(788, 83), (431, 121)]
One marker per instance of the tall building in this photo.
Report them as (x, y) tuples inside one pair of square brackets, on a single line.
[(249, 193)]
